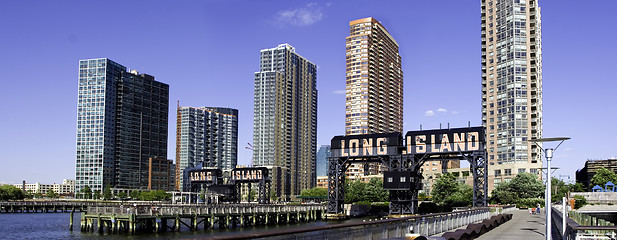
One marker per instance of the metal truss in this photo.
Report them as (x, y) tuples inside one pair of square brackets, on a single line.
[(404, 202)]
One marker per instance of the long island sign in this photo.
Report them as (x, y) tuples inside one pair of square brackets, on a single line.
[(440, 141)]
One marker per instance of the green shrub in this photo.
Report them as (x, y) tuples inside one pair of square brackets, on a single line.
[(529, 202), (579, 201), (428, 207)]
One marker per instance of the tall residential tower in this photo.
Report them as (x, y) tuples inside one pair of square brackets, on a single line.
[(207, 135), (511, 86), (121, 123), (374, 89), (285, 120)]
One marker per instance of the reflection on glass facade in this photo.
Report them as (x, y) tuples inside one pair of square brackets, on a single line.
[(323, 156), (121, 122), (207, 135), (512, 82), (285, 119)]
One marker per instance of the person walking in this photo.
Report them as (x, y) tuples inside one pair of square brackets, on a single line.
[(538, 209)]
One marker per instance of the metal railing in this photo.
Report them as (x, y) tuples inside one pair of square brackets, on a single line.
[(425, 225), (575, 231), (217, 209)]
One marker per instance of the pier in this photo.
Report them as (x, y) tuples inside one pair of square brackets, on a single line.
[(166, 217), (49, 206)]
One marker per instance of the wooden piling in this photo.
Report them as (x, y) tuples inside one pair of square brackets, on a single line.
[(71, 222)]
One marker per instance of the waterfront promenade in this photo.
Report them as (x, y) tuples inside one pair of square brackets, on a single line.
[(522, 226)]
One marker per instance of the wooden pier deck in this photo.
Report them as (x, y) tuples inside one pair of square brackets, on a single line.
[(164, 217), (49, 206)]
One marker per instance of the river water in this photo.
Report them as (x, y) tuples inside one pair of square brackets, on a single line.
[(56, 226)]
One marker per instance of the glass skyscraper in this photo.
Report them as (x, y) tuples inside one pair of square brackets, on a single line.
[(207, 135), (511, 86), (285, 119), (323, 156), (121, 122)]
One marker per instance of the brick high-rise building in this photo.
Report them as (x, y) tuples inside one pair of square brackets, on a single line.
[(511, 86), (374, 82)]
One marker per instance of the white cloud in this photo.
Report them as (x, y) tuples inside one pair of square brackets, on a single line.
[(432, 112), (301, 17), (338, 91)]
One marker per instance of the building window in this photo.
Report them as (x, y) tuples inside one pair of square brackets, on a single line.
[(497, 172)]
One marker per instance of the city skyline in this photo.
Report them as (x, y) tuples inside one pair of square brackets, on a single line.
[(46, 41)]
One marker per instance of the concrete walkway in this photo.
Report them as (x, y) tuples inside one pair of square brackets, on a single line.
[(522, 226)]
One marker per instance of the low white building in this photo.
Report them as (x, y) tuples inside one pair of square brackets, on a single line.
[(66, 188)]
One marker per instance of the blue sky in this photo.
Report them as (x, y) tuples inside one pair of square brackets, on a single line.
[(208, 51)]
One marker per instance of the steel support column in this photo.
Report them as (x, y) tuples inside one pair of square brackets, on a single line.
[(336, 184), (479, 171)]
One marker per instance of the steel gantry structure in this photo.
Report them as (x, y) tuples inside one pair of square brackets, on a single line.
[(403, 159)]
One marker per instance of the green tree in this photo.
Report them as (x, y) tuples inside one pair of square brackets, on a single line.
[(462, 197), (524, 185), (443, 187), (559, 189), (272, 195), (9, 192), (135, 195), (252, 194), (579, 201), (354, 191), (576, 187), (38, 195), (121, 195), (51, 194), (314, 192), (156, 195), (107, 193), (87, 192), (97, 194), (375, 192), (160, 195), (29, 194), (603, 176), (358, 191)]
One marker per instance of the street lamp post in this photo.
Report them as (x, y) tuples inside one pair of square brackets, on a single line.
[(548, 153)]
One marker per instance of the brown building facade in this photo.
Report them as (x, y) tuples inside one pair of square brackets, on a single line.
[(511, 86), (160, 175), (585, 174), (374, 80)]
